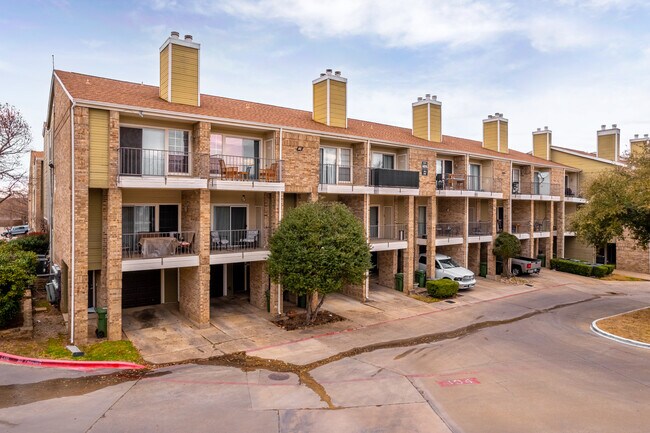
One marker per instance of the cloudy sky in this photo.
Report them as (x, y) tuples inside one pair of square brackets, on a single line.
[(568, 64)]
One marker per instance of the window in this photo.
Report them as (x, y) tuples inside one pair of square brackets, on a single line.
[(231, 222), (541, 185), (422, 221), (241, 155), (515, 181), (336, 165), (178, 151), (143, 151), (444, 166), (383, 160), (475, 177)]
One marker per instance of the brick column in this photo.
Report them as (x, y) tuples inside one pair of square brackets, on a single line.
[(259, 284), (530, 252), (358, 204), (387, 264), (112, 226), (560, 226), (411, 237), (431, 236), (201, 150), (194, 293), (465, 228), (491, 258), (548, 251), (81, 178), (276, 203)]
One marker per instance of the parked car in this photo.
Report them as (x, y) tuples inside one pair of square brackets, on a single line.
[(16, 230), (447, 268), (525, 265)]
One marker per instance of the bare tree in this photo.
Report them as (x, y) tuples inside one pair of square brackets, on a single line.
[(15, 138)]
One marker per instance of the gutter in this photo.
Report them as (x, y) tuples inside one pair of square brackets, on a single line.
[(72, 228), (280, 206)]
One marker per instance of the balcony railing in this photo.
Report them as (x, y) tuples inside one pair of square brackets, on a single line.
[(150, 162), (479, 228), (332, 174), (569, 192), (536, 188), (245, 168), (384, 177), (520, 227), (499, 226), (422, 229), (542, 226), (236, 240), (463, 182), (151, 245), (449, 230), (388, 231)]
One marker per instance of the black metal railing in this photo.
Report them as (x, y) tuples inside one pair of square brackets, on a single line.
[(236, 240), (150, 245), (388, 231), (542, 226), (449, 230), (479, 228), (332, 174), (536, 188), (150, 162), (463, 182), (245, 168), (384, 177), (520, 227)]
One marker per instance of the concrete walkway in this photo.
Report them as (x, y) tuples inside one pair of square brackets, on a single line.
[(164, 336)]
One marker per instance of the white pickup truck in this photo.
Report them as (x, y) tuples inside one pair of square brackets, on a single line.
[(525, 265), (446, 267)]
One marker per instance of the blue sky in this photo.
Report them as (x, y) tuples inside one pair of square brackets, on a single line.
[(567, 64)]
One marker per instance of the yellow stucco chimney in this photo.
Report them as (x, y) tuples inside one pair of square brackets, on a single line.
[(179, 70), (495, 133), (427, 118), (637, 144), (330, 99), (542, 143), (609, 143)]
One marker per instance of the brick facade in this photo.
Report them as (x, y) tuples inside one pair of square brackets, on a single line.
[(387, 267)]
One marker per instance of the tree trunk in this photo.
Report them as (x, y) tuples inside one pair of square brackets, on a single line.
[(308, 306), (320, 303)]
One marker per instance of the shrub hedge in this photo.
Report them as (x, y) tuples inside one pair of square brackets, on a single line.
[(581, 268), (17, 272), (442, 288), (38, 243)]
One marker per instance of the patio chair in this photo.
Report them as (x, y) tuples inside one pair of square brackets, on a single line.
[(250, 241), (216, 241), (186, 246), (269, 174)]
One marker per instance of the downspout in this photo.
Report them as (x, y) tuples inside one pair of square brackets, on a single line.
[(72, 217), (280, 205)]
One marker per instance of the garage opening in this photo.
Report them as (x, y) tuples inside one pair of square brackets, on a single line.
[(141, 288)]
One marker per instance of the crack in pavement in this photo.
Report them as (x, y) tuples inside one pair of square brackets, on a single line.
[(16, 395)]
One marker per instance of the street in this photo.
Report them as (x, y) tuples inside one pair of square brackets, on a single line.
[(543, 371)]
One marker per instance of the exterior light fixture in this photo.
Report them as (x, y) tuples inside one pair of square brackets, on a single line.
[(299, 148)]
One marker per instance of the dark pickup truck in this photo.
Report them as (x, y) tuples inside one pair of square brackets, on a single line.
[(525, 265)]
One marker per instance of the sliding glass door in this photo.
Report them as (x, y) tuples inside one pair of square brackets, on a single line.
[(231, 223)]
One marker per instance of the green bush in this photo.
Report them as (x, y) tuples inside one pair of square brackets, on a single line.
[(38, 243), (610, 268), (442, 288), (600, 271), (17, 272), (572, 267)]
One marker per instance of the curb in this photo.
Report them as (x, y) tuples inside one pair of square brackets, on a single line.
[(597, 330), (71, 365)]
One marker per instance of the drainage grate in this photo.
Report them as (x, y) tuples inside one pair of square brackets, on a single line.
[(529, 285), (450, 302), (278, 376)]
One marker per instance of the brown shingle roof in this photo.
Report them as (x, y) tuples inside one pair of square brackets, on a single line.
[(104, 90)]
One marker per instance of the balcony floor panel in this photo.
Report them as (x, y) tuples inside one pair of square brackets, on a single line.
[(180, 182)]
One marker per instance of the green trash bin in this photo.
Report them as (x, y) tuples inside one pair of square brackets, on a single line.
[(399, 282), (482, 271), (421, 278), (302, 301), (101, 330), (542, 257)]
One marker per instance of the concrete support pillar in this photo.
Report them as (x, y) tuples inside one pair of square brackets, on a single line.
[(194, 293), (411, 236)]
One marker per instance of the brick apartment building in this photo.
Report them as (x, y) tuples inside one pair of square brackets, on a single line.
[(162, 194)]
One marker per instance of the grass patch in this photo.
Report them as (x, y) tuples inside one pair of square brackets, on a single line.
[(425, 298), (619, 277), (122, 350), (634, 325)]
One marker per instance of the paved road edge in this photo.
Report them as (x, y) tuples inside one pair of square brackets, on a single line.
[(71, 365), (597, 330)]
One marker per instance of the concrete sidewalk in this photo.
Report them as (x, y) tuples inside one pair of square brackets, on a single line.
[(166, 337)]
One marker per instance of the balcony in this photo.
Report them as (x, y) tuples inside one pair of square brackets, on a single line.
[(449, 233), (388, 237), (150, 168), (158, 250), (337, 179), (536, 191), (573, 196), (521, 229), (231, 246), (404, 181), (462, 185), (479, 231), (245, 173), (541, 228)]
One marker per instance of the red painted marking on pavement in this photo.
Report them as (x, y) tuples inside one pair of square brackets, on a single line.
[(71, 365), (454, 382)]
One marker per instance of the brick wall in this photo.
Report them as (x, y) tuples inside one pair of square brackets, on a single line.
[(427, 183), (629, 257), (408, 254), (360, 163), (387, 267), (358, 205), (201, 150), (560, 225), (501, 170), (557, 177), (301, 169), (259, 284)]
